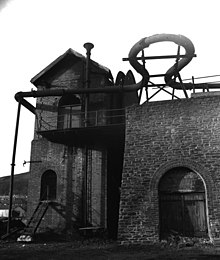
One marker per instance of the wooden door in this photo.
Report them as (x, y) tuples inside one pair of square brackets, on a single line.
[(194, 217), (183, 213)]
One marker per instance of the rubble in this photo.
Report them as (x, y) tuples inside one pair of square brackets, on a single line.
[(183, 241)]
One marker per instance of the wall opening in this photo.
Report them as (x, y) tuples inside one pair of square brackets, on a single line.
[(69, 112), (48, 186), (182, 204), (114, 176)]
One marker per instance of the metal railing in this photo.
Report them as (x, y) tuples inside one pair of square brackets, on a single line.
[(75, 119)]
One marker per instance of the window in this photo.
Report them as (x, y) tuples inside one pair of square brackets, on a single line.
[(69, 112), (48, 185)]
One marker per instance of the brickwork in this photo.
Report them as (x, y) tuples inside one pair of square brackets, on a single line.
[(68, 161), (51, 157), (160, 136)]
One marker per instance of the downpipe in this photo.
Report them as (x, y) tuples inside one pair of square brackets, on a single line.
[(13, 168)]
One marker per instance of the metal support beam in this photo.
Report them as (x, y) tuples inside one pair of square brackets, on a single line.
[(182, 85), (159, 57), (162, 87)]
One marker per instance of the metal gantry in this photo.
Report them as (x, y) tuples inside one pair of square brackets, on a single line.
[(162, 86)]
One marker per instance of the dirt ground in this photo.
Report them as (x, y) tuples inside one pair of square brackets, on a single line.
[(102, 250)]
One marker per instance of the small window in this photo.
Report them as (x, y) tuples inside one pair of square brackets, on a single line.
[(48, 185)]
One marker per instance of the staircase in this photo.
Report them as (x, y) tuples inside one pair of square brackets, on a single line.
[(36, 218)]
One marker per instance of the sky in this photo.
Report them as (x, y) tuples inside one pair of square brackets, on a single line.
[(33, 33)]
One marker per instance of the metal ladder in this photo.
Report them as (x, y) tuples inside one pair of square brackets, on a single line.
[(36, 218)]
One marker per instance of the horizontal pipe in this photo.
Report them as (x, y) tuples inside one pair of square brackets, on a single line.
[(19, 97), (111, 89), (133, 59), (64, 91)]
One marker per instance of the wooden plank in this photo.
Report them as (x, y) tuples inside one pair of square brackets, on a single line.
[(183, 213), (171, 216)]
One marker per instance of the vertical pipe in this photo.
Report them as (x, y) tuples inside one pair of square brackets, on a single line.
[(12, 168), (88, 46), (85, 204)]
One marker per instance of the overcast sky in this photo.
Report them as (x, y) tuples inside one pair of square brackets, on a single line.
[(35, 32)]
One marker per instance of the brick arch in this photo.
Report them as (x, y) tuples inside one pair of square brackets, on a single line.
[(72, 99), (194, 166), (197, 168), (45, 167), (48, 180)]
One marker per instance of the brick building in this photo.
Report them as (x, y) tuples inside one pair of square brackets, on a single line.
[(140, 172), (77, 151), (170, 178)]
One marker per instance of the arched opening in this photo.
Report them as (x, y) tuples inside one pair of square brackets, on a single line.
[(48, 186), (182, 204), (69, 112)]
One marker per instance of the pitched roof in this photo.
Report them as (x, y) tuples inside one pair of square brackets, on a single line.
[(74, 56)]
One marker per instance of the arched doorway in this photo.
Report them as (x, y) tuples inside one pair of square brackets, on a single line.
[(182, 203), (69, 112), (48, 186)]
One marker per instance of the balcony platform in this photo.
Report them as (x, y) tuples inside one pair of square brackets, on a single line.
[(86, 135), (71, 128)]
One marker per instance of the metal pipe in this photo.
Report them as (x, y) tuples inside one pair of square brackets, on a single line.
[(146, 42), (85, 204), (64, 91), (108, 89), (88, 46), (133, 59), (183, 41), (12, 168), (19, 97)]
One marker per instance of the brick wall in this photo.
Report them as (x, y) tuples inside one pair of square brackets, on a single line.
[(160, 136), (68, 161), (52, 158), (69, 165)]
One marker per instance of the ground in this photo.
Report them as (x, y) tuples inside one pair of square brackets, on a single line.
[(103, 250)]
